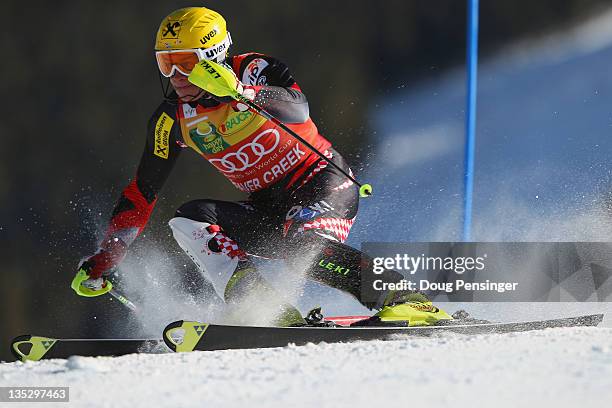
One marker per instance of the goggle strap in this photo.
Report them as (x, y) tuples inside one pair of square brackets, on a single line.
[(200, 52)]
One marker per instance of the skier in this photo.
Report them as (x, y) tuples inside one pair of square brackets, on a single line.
[(299, 207)]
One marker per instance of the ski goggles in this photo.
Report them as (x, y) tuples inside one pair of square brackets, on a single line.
[(183, 61)]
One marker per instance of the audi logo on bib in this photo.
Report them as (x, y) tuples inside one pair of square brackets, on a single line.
[(253, 159), (249, 154)]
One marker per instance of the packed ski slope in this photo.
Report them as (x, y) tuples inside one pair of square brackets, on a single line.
[(555, 367)]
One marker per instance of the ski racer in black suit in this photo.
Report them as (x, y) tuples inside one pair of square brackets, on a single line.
[(300, 208)]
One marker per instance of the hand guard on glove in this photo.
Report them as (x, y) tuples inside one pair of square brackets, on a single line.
[(243, 90), (110, 254), (220, 75), (229, 99)]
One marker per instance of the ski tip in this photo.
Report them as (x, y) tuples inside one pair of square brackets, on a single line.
[(31, 348), (171, 341), (183, 335), (585, 320), (597, 318)]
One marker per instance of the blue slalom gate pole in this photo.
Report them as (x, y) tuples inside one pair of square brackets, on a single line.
[(470, 116)]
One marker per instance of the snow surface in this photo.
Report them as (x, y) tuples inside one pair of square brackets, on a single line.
[(551, 368)]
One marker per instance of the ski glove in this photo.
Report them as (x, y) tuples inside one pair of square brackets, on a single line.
[(110, 254)]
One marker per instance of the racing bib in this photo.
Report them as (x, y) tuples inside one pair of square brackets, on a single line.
[(250, 151)]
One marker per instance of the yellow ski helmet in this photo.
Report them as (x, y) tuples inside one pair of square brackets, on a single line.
[(194, 27)]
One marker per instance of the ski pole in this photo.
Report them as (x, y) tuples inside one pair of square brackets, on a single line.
[(107, 287), (219, 81), (365, 190), (123, 300)]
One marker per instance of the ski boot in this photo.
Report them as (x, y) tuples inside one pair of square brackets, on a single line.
[(253, 299), (407, 309)]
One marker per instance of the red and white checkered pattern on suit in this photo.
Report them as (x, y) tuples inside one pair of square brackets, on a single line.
[(346, 184), (340, 227), (229, 247), (320, 166)]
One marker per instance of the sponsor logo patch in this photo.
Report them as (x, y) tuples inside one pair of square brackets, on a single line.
[(249, 154), (298, 212), (209, 35), (209, 68), (424, 307), (171, 30), (208, 140), (162, 135), (340, 269), (252, 73), (235, 122), (188, 111), (213, 52)]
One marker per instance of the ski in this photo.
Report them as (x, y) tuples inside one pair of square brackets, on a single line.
[(182, 335), (34, 348), (189, 336)]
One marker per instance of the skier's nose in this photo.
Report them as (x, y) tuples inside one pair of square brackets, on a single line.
[(179, 78)]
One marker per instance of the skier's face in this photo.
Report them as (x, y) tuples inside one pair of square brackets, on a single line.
[(185, 90)]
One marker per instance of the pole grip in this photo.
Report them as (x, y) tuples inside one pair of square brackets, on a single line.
[(77, 285)]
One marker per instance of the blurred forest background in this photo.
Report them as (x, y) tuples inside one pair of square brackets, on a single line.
[(80, 82)]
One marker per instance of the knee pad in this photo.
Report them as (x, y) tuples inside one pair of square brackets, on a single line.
[(215, 263)]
